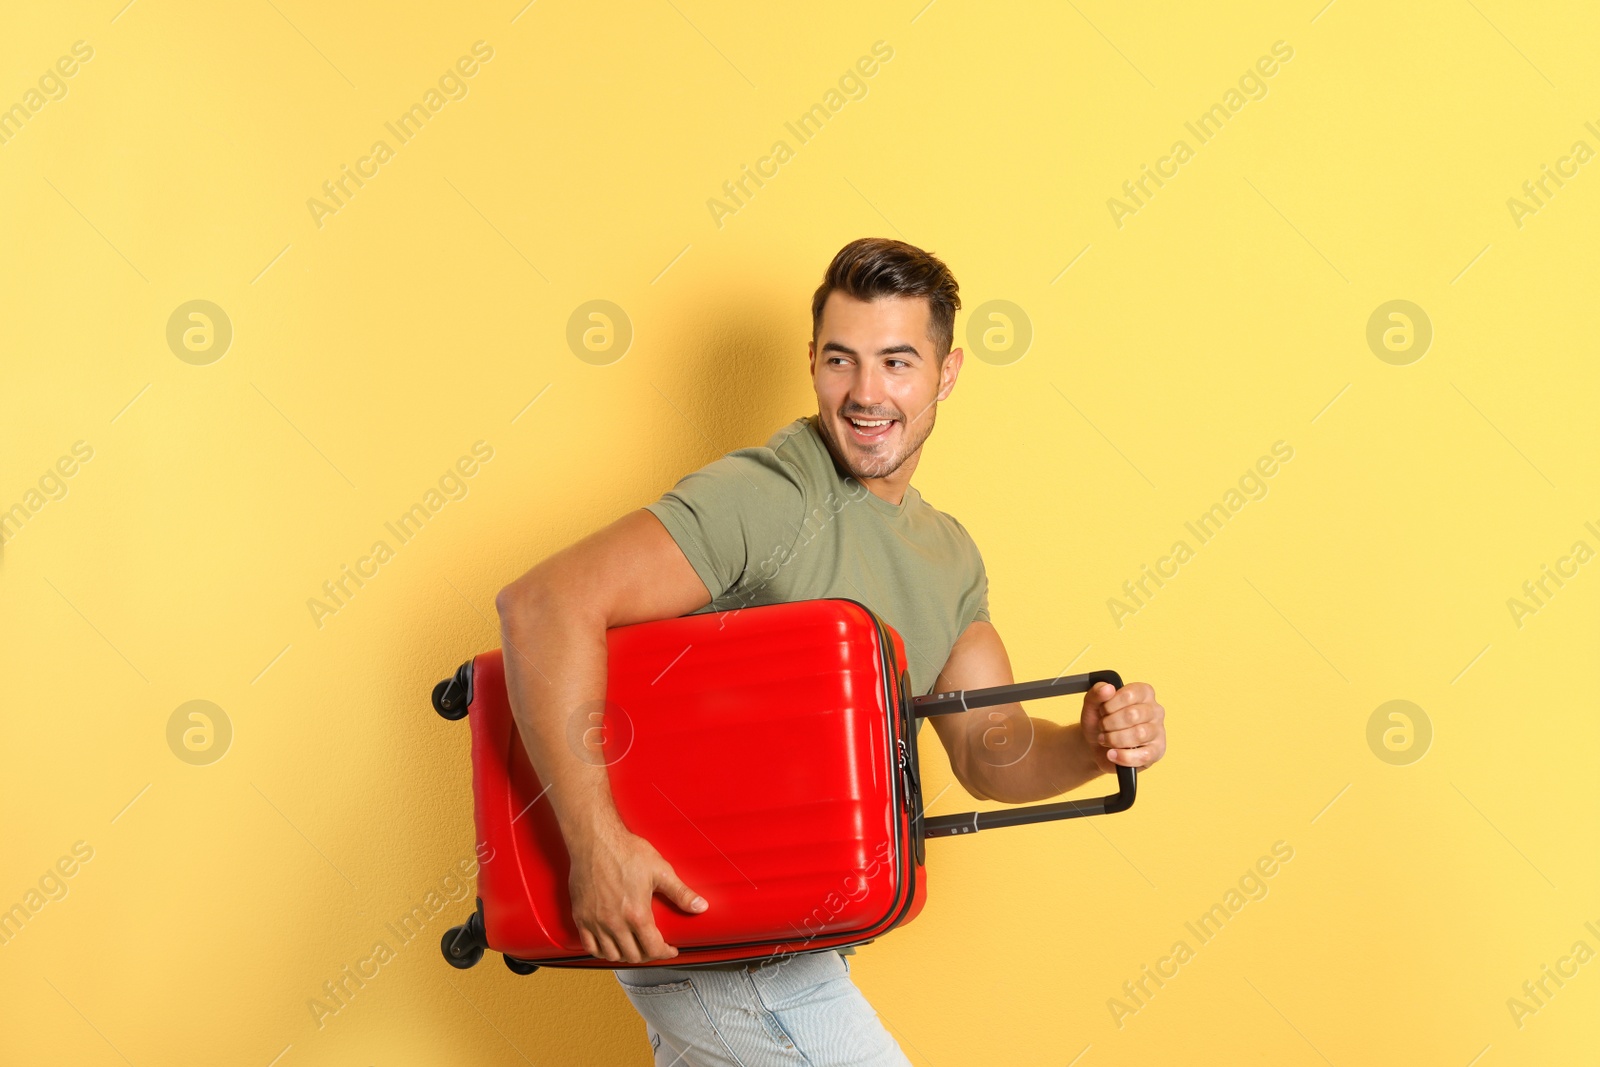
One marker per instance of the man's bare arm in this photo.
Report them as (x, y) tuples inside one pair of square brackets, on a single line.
[(553, 623), (1003, 753)]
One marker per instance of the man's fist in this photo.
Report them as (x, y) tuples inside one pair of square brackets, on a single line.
[(1124, 727)]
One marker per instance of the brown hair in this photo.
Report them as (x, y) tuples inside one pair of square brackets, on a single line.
[(870, 267)]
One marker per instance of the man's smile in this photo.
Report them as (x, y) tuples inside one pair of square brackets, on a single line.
[(870, 431)]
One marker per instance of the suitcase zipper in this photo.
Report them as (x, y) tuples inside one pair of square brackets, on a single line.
[(886, 647)]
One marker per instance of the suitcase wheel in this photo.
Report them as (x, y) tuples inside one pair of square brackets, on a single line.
[(444, 704), (461, 946), (452, 696), (516, 966)]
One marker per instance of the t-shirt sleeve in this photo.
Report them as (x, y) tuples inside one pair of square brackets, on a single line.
[(732, 514), (981, 584), (975, 597), (983, 597)]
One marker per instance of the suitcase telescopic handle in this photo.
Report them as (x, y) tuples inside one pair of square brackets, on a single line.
[(968, 699)]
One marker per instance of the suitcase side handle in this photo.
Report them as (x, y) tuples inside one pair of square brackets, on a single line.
[(967, 699)]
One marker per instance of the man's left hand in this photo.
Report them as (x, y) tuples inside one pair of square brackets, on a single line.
[(1124, 727)]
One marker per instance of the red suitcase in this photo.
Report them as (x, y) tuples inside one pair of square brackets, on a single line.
[(768, 753)]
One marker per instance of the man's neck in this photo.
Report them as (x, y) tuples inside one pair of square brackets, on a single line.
[(892, 488)]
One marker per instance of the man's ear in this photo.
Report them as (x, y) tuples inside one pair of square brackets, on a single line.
[(811, 357), (949, 372)]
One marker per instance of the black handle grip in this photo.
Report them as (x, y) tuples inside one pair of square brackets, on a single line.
[(966, 699)]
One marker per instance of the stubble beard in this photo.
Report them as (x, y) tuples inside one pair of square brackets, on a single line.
[(882, 466)]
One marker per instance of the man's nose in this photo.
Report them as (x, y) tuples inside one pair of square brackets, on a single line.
[(867, 388)]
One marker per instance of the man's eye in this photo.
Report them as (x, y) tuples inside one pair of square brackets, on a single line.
[(902, 362)]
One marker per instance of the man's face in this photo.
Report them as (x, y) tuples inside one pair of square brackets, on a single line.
[(873, 361)]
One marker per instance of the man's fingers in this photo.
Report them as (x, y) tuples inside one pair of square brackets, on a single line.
[(1128, 723), (1127, 716), (1130, 694), (627, 946), (1129, 737), (1100, 692), (607, 948), (650, 939), (1132, 757), (673, 887)]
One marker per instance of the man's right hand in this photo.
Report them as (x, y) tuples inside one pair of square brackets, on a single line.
[(558, 615), (614, 875)]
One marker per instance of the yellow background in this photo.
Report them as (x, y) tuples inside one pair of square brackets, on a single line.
[(368, 354)]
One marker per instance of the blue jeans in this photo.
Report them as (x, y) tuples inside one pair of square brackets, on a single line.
[(798, 1011)]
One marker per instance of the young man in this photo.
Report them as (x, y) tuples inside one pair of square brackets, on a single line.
[(825, 508)]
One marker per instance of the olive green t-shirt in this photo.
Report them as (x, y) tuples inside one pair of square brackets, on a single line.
[(783, 522)]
